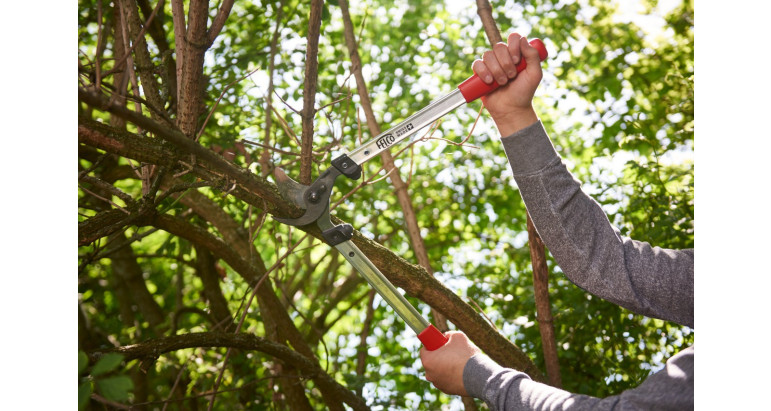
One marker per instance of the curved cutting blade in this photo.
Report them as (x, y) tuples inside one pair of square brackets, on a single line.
[(314, 198)]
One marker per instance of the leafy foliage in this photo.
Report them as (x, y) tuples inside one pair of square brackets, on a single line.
[(103, 379)]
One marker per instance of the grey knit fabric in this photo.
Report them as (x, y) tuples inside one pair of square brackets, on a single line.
[(648, 280)]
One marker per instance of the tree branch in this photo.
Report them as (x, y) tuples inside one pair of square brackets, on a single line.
[(485, 12), (155, 29), (214, 163), (309, 91), (127, 53), (542, 305), (211, 290), (307, 368), (273, 311), (190, 102), (180, 43), (537, 253), (265, 162), (125, 266), (219, 21), (144, 63), (400, 187), (263, 194)]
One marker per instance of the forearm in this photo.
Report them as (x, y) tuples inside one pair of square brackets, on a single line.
[(591, 252), (508, 390)]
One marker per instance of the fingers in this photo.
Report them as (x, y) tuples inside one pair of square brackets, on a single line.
[(481, 70), (501, 51), (444, 366), (500, 63), (491, 61), (514, 49)]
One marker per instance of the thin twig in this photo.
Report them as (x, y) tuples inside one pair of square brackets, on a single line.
[(333, 103), (285, 103), (288, 153), (176, 383), (479, 114), (207, 393), (98, 398), (363, 184), (130, 63), (134, 43), (230, 190), (103, 199), (308, 321), (254, 232), (481, 311), (181, 187), (246, 310), (108, 187), (371, 180), (285, 125), (462, 143), (429, 133), (99, 40), (216, 103), (265, 158), (93, 166)]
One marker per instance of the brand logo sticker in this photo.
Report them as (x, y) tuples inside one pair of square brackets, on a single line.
[(385, 141)]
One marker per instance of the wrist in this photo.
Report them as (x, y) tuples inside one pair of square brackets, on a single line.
[(512, 121)]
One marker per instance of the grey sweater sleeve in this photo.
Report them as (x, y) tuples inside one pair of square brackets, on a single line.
[(510, 390), (648, 280)]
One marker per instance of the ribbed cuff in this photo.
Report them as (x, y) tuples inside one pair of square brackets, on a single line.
[(477, 372), (529, 150)]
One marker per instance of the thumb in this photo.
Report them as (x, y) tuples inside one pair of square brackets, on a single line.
[(531, 56)]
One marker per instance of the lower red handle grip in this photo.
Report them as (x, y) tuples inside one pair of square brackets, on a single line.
[(474, 87), (432, 338)]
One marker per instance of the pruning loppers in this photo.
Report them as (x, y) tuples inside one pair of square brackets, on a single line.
[(315, 197)]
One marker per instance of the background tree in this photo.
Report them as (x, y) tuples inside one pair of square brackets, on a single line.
[(213, 304)]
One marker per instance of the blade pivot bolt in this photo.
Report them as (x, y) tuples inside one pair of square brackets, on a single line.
[(315, 195)]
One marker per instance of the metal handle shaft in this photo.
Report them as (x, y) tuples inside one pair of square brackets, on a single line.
[(432, 112), (383, 287)]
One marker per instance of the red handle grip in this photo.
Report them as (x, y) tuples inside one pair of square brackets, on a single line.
[(474, 87), (432, 338)]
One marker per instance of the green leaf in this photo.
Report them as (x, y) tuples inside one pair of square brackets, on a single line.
[(115, 388), (106, 364), (84, 393), (82, 362)]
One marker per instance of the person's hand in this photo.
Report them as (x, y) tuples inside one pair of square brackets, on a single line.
[(444, 366), (511, 105)]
